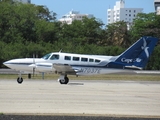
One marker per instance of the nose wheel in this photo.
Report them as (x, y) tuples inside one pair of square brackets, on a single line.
[(19, 80)]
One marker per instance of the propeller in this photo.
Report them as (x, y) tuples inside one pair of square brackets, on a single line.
[(34, 67)]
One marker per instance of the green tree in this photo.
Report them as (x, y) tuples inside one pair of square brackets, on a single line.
[(16, 22), (82, 32), (154, 61), (117, 34), (146, 25), (45, 14), (45, 31)]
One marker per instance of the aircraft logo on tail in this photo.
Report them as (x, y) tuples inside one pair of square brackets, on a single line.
[(145, 48), (131, 60)]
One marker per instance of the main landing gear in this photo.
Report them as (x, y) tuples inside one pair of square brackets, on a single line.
[(63, 79)]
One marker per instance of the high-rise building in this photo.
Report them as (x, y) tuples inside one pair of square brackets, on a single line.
[(73, 15), (157, 6), (120, 13)]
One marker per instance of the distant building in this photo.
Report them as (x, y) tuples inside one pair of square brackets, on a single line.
[(120, 13), (23, 1), (73, 15), (157, 6)]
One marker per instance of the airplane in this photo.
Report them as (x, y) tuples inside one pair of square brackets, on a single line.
[(134, 58)]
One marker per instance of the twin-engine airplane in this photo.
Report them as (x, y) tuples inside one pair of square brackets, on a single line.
[(134, 58)]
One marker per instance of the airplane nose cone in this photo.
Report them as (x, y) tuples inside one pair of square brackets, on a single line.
[(6, 63)]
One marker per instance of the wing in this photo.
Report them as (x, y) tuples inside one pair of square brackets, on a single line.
[(65, 69)]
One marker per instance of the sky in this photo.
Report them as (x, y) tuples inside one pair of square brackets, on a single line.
[(96, 7)]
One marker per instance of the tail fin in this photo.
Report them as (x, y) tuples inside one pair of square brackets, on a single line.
[(136, 56)]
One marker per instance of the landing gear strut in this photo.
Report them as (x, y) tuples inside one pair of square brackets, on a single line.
[(63, 79)]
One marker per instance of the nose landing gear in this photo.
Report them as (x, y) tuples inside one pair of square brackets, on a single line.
[(20, 79)]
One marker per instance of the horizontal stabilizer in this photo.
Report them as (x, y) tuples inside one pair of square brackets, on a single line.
[(133, 67)]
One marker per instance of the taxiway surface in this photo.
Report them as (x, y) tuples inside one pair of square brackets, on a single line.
[(48, 97)]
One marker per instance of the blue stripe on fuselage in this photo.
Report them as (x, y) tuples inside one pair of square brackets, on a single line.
[(109, 65), (18, 63)]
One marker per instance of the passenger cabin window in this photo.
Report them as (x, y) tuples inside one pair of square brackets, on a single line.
[(67, 57), (97, 61), (54, 57), (91, 60), (75, 58), (84, 59)]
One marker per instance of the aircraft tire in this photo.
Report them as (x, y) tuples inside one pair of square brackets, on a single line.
[(64, 81), (19, 80)]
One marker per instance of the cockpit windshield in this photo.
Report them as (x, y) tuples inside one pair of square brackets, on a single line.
[(47, 56)]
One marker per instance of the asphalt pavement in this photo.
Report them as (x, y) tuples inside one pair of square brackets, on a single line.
[(89, 98)]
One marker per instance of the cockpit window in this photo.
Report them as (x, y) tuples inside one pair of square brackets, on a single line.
[(46, 56), (54, 57)]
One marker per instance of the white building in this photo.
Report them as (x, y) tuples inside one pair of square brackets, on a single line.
[(120, 13), (73, 15), (157, 6), (23, 1)]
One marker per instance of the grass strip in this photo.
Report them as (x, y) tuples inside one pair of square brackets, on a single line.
[(140, 77)]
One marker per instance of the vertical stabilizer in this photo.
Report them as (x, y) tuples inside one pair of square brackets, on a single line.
[(138, 54)]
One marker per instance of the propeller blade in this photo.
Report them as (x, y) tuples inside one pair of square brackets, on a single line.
[(33, 58), (34, 64), (33, 71)]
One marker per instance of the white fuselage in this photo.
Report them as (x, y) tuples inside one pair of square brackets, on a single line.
[(83, 64)]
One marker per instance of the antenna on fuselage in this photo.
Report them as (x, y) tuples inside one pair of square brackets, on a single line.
[(60, 51)]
